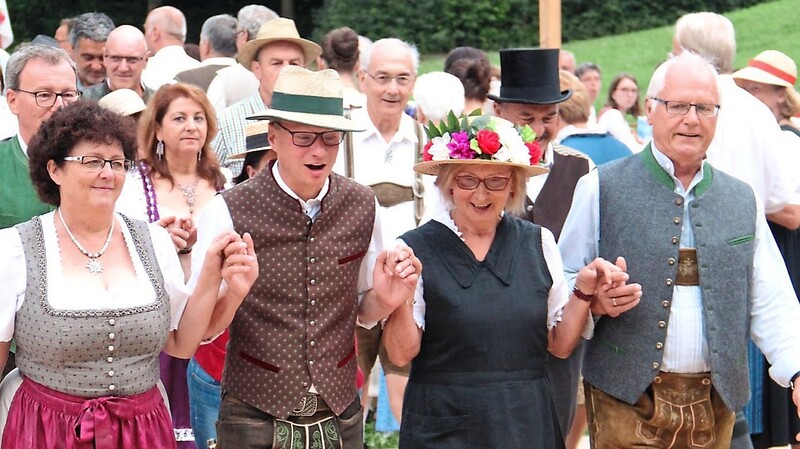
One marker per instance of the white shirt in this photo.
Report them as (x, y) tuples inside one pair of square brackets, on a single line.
[(774, 313), (231, 85), (165, 64), (746, 145), (8, 121), (613, 120), (61, 291), (557, 297), (376, 161)]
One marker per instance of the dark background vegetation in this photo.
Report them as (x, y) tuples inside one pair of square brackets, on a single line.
[(434, 25)]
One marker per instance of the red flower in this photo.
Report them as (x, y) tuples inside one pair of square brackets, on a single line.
[(535, 150), (426, 156), (488, 141)]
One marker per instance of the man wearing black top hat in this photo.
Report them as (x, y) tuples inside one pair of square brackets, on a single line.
[(529, 95)]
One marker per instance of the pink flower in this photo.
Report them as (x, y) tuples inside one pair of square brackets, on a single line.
[(488, 141), (459, 146), (535, 150)]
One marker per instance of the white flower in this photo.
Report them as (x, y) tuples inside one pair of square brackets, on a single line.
[(439, 150)]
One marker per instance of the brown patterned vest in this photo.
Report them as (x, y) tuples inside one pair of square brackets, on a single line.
[(296, 327)]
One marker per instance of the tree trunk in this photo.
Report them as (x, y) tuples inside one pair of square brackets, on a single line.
[(287, 8)]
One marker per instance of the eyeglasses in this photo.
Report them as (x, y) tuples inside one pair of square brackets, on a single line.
[(95, 164), (116, 59), (682, 108), (307, 138), (46, 98), (402, 80), (493, 183)]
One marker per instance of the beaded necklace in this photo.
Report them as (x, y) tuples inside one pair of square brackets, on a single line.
[(94, 266)]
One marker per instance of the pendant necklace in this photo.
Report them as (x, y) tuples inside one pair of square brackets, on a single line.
[(189, 194), (94, 266)]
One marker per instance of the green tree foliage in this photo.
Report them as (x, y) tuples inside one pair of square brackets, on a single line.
[(436, 26)]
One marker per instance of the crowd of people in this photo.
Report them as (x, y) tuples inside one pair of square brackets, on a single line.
[(217, 251)]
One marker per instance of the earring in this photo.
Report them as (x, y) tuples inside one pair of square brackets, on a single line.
[(199, 154), (160, 149)]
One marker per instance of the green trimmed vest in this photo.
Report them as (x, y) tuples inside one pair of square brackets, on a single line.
[(18, 199), (296, 326), (640, 219)]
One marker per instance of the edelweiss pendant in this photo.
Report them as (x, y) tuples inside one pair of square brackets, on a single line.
[(94, 266)]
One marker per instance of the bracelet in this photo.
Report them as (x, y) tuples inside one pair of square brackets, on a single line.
[(186, 250), (581, 295)]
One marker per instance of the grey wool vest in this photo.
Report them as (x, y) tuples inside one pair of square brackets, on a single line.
[(640, 219), (296, 326), (90, 353)]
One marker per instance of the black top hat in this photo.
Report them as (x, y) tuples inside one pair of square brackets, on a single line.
[(530, 75)]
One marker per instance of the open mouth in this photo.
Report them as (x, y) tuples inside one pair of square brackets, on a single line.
[(315, 167), (481, 206)]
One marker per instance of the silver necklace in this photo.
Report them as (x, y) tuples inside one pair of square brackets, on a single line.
[(94, 266), (189, 193)]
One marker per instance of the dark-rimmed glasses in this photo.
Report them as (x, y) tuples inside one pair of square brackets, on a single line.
[(493, 183), (682, 108), (95, 164), (46, 98), (131, 60), (307, 138)]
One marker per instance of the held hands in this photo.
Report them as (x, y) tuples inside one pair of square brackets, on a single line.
[(395, 276), (234, 258), (182, 231), (612, 294)]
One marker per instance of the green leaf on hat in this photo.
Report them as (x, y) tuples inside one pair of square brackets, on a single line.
[(527, 134), (452, 121), (432, 131)]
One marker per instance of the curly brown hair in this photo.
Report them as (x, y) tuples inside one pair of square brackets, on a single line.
[(208, 167), (82, 121)]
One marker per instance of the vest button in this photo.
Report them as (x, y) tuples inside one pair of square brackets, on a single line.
[(656, 365), (665, 303), (313, 282), (312, 343), (662, 324), (310, 363), (659, 345), (313, 302), (110, 359), (529, 207), (111, 336), (110, 348), (657, 380), (312, 239), (706, 381), (668, 282), (676, 220), (313, 260), (312, 323), (308, 222), (671, 261), (674, 240), (111, 373), (112, 322), (679, 201), (111, 387), (305, 384)]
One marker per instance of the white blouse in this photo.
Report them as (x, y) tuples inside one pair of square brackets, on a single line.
[(61, 291)]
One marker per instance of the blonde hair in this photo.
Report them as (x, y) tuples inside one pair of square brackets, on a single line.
[(516, 201)]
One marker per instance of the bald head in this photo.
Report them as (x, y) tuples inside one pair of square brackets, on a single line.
[(125, 56), (164, 26)]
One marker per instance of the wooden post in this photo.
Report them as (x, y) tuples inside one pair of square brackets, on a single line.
[(550, 23)]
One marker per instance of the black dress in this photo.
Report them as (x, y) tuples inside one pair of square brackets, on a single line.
[(479, 379)]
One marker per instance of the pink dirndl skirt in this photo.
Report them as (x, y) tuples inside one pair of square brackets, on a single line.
[(42, 418)]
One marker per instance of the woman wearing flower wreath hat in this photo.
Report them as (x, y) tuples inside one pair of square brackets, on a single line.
[(491, 301)]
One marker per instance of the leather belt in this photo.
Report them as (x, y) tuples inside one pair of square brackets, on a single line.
[(688, 274), (310, 405), (390, 194)]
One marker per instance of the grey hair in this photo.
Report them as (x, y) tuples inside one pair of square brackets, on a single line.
[(94, 26), (220, 31), (515, 204), (251, 17), (711, 36), (18, 60), (585, 67), (376, 46), (659, 77), (438, 93)]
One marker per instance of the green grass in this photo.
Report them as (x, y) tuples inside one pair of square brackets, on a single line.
[(767, 26)]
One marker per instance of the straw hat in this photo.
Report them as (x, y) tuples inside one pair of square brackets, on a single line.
[(256, 140), (279, 29), (774, 68), (505, 145), (310, 98), (123, 102)]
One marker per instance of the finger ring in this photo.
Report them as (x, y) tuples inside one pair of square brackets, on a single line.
[(614, 301)]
